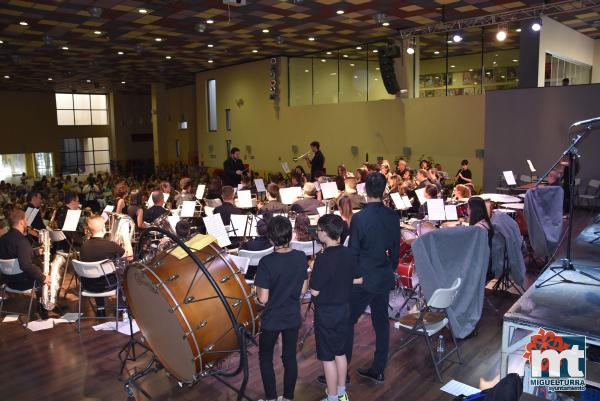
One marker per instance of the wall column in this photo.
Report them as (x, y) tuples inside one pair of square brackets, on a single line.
[(159, 122), (529, 56)]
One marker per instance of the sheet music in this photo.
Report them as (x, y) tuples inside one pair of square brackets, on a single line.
[(398, 202), (216, 228), (188, 208), (360, 188), (435, 209), (209, 210), (451, 213), (321, 210), (107, 209), (530, 164), (166, 197), (317, 185), (173, 220), (200, 191), (150, 202), (241, 262), (240, 225), (260, 185), (406, 201), (244, 199), (285, 167), (30, 214), (509, 177), (457, 388), (329, 190), (421, 195), (288, 195), (72, 220)]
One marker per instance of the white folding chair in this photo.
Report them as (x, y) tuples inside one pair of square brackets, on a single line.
[(93, 270), (254, 257), (431, 320), (310, 248), (10, 267), (213, 203), (592, 192), (57, 236)]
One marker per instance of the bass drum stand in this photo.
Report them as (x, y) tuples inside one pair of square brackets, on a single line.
[(154, 365)]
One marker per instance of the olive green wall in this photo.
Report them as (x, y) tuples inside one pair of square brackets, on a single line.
[(448, 129)]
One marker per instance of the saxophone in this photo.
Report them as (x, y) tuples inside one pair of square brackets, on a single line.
[(54, 269)]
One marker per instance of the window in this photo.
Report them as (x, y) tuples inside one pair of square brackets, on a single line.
[(81, 109), (12, 166), (559, 69), (44, 164), (84, 155), (211, 93), (228, 119)]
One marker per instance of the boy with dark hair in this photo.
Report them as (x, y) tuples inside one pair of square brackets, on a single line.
[(281, 279), (331, 286)]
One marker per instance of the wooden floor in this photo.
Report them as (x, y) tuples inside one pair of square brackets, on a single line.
[(59, 364)]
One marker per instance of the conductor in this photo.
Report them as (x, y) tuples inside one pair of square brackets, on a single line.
[(234, 168)]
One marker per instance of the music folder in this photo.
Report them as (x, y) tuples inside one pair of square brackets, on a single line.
[(107, 209), (30, 214)]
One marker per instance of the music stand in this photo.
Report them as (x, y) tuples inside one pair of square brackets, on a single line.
[(572, 153)]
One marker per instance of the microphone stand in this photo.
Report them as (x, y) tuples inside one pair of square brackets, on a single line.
[(567, 262)]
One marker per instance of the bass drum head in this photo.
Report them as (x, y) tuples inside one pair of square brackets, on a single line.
[(158, 324)]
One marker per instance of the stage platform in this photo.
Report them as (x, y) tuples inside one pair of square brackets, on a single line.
[(567, 307)]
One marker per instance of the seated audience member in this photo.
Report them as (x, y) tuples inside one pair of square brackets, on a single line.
[(98, 249), (90, 195), (157, 210), (273, 203), (309, 203), (464, 175), (281, 279), (228, 207), (302, 228), (14, 245), (462, 192), (422, 180), (185, 184), (121, 191)]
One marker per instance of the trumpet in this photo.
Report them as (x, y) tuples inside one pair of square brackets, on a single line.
[(304, 156)]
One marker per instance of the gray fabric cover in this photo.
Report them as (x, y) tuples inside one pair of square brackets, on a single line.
[(443, 255), (543, 214), (507, 236)]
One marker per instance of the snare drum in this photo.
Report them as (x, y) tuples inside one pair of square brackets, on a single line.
[(180, 313)]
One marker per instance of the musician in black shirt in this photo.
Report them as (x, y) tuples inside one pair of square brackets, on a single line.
[(34, 201), (74, 238), (98, 249), (317, 163), (228, 208), (464, 175), (157, 210), (234, 168)]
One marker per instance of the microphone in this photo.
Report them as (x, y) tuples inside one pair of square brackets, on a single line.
[(591, 121)]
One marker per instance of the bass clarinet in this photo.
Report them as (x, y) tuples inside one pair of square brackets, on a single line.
[(54, 269)]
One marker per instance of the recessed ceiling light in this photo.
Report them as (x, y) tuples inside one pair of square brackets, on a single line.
[(312, 39), (254, 51), (375, 79), (123, 82), (120, 53), (377, 68), (23, 23), (88, 81), (306, 70), (358, 47), (98, 32), (356, 77), (158, 39), (7, 77), (488, 73), (495, 62), (328, 53), (49, 78), (168, 57), (339, 12), (265, 30), (143, 11), (470, 70), (345, 56), (386, 24), (211, 61), (333, 73), (450, 41), (436, 52), (375, 51), (452, 66), (515, 60), (351, 64), (1, 41), (323, 60), (502, 76), (518, 30), (210, 45), (210, 21), (65, 48)]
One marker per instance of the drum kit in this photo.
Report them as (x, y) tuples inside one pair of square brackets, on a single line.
[(193, 307)]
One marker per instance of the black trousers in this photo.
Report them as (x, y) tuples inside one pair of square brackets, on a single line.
[(379, 318), (19, 282), (100, 284), (266, 345)]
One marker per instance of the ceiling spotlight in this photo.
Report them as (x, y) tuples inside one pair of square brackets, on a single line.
[(452, 66), (49, 78), (351, 64), (123, 82), (328, 53), (96, 12), (515, 60), (210, 45), (358, 47), (501, 34), (143, 11), (210, 21), (23, 23), (457, 37), (65, 48), (120, 53), (386, 24), (7, 77), (339, 12), (265, 30), (158, 39), (312, 39), (88, 81), (200, 27), (345, 56), (323, 60), (211, 61), (375, 51), (254, 51), (168, 57), (536, 25), (97, 32), (411, 47), (1, 42), (436, 52)]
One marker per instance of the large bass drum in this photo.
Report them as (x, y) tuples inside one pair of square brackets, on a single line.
[(180, 314)]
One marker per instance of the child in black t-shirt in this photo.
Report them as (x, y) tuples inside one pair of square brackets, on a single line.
[(281, 279), (331, 285)]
